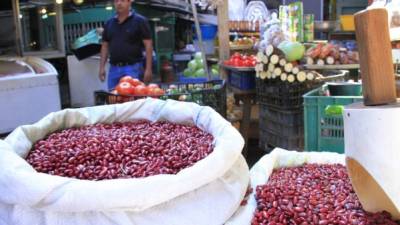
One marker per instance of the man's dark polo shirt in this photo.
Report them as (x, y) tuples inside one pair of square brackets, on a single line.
[(126, 39)]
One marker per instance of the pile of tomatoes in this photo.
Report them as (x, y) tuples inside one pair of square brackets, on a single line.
[(241, 60), (131, 86)]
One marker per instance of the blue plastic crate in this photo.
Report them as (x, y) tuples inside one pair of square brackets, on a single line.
[(208, 31), (183, 79), (242, 80)]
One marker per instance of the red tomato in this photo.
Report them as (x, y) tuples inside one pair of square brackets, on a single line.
[(245, 57), (153, 86), (133, 81), (158, 91), (241, 63), (136, 82), (149, 91), (126, 78), (236, 55), (246, 63), (140, 90), (253, 63), (125, 88), (236, 62)]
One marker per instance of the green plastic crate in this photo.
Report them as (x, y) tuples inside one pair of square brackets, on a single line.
[(324, 132)]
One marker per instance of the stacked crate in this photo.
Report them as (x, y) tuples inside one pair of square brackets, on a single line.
[(281, 109), (281, 113)]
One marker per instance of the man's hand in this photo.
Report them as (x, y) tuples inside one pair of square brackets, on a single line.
[(148, 75), (102, 74)]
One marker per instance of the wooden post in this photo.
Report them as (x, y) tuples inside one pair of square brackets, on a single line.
[(376, 62), (17, 25), (223, 34)]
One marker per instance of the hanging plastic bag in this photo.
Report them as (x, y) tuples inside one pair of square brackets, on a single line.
[(273, 33)]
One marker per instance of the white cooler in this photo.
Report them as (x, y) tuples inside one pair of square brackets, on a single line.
[(28, 91)]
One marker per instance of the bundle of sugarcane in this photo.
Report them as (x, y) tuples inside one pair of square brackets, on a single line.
[(272, 64)]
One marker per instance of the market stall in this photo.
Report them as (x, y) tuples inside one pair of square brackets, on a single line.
[(179, 150)]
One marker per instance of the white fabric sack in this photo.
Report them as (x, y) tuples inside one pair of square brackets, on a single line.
[(278, 158), (207, 193)]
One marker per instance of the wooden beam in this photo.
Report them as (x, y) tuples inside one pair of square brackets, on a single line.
[(223, 34)]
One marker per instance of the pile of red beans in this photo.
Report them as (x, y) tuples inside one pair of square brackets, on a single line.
[(120, 150), (312, 194)]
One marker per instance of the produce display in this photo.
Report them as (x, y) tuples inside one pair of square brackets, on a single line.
[(244, 41), (189, 93), (316, 194), (195, 68), (330, 54), (131, 86), (241, 60), (120, 150), (283, 63)]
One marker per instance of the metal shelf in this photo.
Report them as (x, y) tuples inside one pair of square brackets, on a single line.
[(333, 67)]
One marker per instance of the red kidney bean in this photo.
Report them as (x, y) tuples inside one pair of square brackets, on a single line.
[(120, 150), (312, 194)]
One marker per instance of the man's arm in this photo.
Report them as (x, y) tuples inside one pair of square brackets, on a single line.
[(103, 60), (148, 72)]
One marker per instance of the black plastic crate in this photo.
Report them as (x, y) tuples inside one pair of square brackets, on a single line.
[(269, 139), (282, 95), (87, 51), (287, 117), (282, 129), (288, 96), (210, 93), (242, 80)]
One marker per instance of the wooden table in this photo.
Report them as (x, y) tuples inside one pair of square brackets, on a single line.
[(247, 97)]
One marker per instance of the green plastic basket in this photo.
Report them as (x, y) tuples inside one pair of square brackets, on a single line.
[(324, 132)]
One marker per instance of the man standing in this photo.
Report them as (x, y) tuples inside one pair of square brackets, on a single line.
[(124, 38)]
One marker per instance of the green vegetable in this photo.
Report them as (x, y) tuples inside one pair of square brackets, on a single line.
[(199, 64), (214, 72), (198, 56), (187, 73), (293, 50), (192, 65), (334, 110), (200, 73), (174, 91), (215, 67), (217, 87)]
